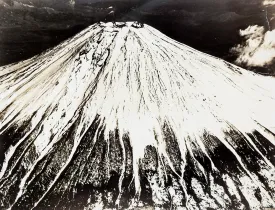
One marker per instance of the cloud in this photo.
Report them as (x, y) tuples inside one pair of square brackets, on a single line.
[(258, 48), (269, 2)]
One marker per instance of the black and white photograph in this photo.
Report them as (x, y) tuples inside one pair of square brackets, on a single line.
[(137, 104)]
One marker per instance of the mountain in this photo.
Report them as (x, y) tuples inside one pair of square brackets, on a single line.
[(123, 116)]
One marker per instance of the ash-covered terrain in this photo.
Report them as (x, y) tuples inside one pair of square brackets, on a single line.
[(122, 116)]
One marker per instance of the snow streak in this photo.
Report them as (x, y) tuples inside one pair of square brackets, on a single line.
[(123, 103)]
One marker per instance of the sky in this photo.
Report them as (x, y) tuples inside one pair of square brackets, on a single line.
[(212, 26)]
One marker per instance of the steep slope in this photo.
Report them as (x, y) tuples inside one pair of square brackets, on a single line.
[(121, 115)]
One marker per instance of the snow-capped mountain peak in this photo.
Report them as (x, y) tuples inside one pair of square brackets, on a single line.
[(124, 99)]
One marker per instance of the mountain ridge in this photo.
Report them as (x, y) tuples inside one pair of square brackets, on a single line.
[(119, 104)]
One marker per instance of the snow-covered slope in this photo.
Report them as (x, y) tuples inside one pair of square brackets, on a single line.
[(121, 115)]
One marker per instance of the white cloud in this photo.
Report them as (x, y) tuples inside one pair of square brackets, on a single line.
[(258, 48), (269, 2)]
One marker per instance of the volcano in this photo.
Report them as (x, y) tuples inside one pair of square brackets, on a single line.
[(121, 116)]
